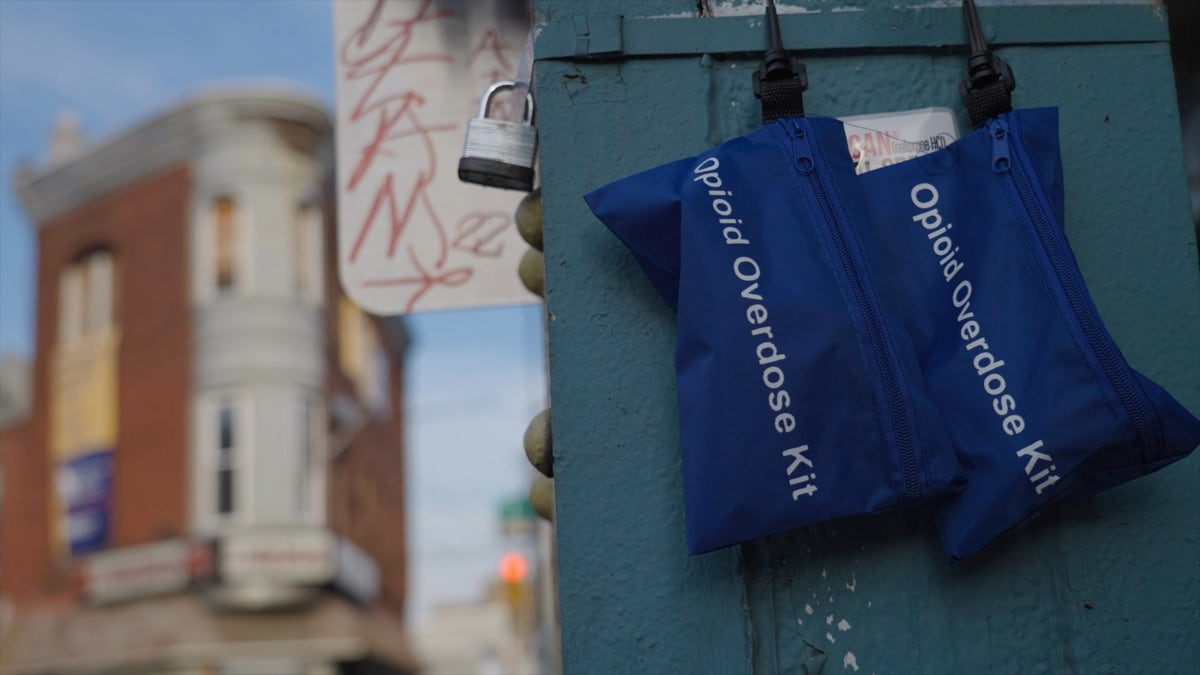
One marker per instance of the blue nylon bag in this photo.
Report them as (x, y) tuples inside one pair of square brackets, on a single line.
[(1037, 397), (800, 395)]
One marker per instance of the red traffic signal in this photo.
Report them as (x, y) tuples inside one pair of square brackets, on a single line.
[(513, 567)]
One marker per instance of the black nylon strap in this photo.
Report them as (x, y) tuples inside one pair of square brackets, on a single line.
[(782, 98), (988, 101)]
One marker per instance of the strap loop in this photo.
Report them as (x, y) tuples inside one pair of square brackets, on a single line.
[(782, 98), (780, 80)]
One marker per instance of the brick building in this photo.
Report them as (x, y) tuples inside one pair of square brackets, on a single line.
[(211, 476)]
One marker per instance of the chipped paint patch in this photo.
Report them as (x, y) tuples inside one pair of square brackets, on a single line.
[(808, 609), (849, 661), (843, 625), (853, 583), (754, 9), (829, 620), (829, 636)]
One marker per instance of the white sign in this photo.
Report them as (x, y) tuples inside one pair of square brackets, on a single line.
[(137, 571), (411, 236), (889, 138), (291, 557)]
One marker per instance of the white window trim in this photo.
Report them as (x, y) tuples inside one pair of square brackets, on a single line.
[(204, 248), (98, 305), (314, 510), (70, 304), (86, 297), (309, 267), (244, 223), (225, 462), (205, 458)]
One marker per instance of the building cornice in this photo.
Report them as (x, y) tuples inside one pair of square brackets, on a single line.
[(163, 142)]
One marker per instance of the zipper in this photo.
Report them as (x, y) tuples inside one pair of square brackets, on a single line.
[(900, 421), (1008, 159)]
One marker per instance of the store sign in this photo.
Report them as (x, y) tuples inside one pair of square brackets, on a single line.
[(410, 73), (293, 557), (83, 439), (138, 571), (85, 490), (516, 517)]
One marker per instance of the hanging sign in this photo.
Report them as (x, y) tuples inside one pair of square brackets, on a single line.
[(140, 571), (83, 440), (410, 73)]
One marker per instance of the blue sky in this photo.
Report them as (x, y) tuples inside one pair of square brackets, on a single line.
[(475, 378)]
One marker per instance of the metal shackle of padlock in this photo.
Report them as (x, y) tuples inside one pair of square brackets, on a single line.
[(499, 153)]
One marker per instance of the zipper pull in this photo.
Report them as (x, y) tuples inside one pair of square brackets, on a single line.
[(1001, 152), (804, 160)]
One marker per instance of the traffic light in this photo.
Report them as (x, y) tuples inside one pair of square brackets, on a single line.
[(512, 568)]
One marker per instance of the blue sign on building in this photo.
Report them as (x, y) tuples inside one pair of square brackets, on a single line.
[(85, 485)]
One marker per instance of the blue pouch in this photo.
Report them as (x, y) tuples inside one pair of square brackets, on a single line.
[(1038, 399), (800, 395)]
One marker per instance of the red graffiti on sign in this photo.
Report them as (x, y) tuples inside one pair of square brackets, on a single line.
[(489, 61), (374, 53), (479, 233), (496, 67)]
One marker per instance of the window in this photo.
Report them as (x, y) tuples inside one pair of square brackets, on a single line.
[(222, 475), (98, 293), (305, 464), (70, 305), (308, 253), (222, 243), (363, 358), (351, 325), (226, 447), (85, 297), (224, 213), (378, 385)]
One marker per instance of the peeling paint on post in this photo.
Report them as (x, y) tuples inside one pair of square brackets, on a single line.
[(1100, 586)]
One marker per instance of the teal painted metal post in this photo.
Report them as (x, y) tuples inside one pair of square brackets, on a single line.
[(1110, 584)]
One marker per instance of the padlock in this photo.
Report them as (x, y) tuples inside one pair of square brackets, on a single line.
[(499, 153)]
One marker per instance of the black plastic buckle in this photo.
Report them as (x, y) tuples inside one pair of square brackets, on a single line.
[(780, 80), (986, 88)]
